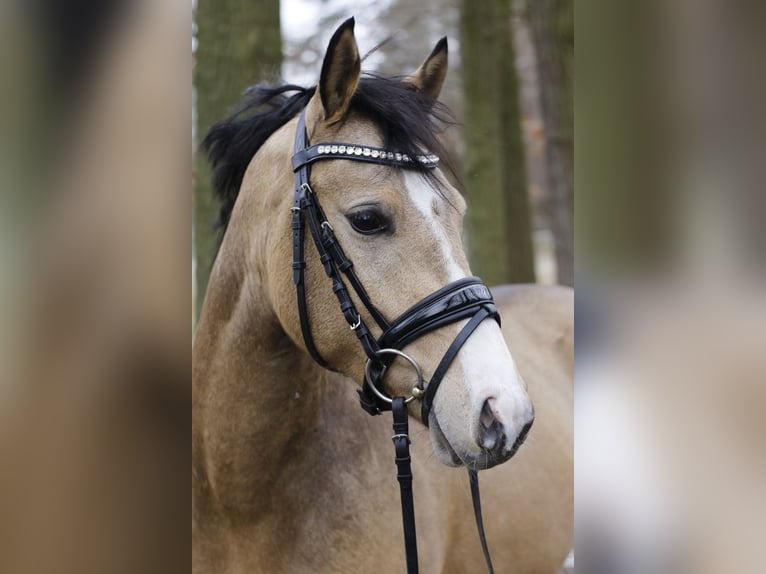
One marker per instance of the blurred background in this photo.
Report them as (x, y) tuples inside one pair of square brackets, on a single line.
[(671, 299), (95, 212), (509, 86)]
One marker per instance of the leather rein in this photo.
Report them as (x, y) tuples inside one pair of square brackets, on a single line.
[(466, 298)]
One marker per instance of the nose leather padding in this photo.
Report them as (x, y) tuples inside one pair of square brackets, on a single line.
[(449, 304)]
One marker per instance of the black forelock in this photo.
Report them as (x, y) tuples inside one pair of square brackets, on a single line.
[(409, 120)]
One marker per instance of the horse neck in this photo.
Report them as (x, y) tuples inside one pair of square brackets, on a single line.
[(256, 396)]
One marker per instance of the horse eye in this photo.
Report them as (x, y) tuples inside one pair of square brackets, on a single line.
[(368, 222)]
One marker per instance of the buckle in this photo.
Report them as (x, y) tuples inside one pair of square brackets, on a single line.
[(355, 326), (400, 436), (306, 188)]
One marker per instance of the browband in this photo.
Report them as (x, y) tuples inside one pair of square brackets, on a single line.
[(355, 152)]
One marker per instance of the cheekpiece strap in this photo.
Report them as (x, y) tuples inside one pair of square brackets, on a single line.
[(300, 202), (355, 152)]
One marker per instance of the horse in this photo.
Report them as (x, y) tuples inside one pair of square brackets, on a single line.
[(288, 473)]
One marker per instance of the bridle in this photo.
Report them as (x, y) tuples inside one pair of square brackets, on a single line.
[(466, 298)]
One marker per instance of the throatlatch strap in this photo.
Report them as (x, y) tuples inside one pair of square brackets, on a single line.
[(473, 478), (401, 440)]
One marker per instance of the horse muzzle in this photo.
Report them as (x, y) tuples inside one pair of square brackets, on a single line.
[(494, 439)]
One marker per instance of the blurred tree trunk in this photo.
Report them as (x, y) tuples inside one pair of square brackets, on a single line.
[(552, 26), (498, 224), (239, 44)]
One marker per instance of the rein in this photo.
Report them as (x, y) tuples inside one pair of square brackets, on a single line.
[(466, 298)]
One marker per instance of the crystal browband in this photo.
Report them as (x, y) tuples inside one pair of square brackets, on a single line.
[(360, 153)]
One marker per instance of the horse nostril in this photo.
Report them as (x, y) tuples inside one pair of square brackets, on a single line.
[(487, 417), (490, 429), (492, 432)]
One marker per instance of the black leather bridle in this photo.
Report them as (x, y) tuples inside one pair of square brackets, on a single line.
[(466, 298)]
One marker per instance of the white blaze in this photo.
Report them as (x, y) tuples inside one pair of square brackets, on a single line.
[(422, 195)]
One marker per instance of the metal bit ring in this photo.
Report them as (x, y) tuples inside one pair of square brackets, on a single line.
[(417, 391)]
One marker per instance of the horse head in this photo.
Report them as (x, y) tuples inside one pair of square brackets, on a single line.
[(401, 228)]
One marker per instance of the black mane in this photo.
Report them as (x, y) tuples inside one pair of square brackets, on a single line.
[(409, 121)]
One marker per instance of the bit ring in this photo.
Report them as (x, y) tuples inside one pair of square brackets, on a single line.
[(417, 391)]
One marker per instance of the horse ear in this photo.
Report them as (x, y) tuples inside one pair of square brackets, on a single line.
[(429, 77), (340, 73)]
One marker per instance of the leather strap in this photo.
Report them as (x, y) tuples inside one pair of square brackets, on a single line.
[(449, 357), (473, 478), (299, 263), (325, 235), (401, 440)]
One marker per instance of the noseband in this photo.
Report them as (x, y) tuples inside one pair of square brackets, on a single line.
[(466, 298)]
